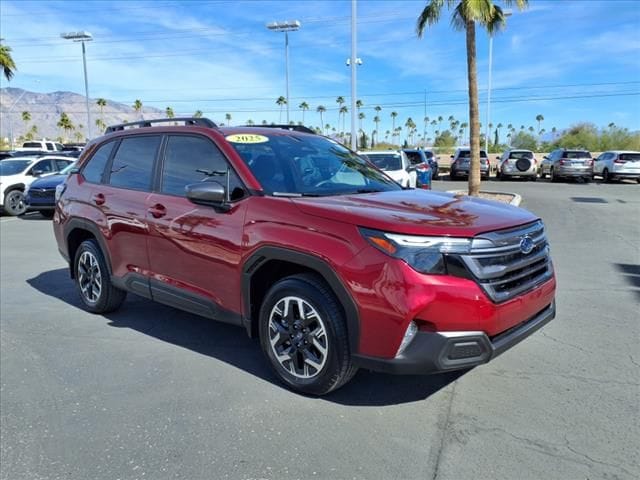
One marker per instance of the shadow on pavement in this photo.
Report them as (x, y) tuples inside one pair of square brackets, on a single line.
[(631, 273), (231, 345)]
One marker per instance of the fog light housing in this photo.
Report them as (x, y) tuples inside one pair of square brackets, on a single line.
[(409, 335)]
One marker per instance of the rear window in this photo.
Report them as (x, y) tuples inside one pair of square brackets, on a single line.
[(467, 154), (32, 145), (429, 155), (633, 157), (414, 157), (519, 155), (576, 154), (386, 162)]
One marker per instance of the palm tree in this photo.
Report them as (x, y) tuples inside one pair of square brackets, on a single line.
[(65, 123), (101, 102), (250, 122), (410, 126), (376, 120), (100, 124), (169, 112), (198, 114), (321, 109), (440, 122), (463, 127), (227, 117), (340, 101), (361, 117), (6, 61), (281, 102), (539, 119), (304, 106), (393, 120), (359, 105), (137, 107), (531, 129), (343, 111), (26, 118), (465, 16), (554, 130)]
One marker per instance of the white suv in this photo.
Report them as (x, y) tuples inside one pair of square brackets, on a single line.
[(17, 173), (517, 163), (396, 164), (618, 164)]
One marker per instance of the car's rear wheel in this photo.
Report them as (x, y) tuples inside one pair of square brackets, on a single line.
[(14, 203), (303, 334), (93, 280), (552, 176), (606, 176)]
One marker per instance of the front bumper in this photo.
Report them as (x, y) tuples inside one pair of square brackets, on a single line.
[(434, 352)]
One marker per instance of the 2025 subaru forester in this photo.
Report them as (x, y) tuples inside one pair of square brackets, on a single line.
[(309, 247)]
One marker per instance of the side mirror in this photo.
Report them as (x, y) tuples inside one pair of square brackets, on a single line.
[(208, 193), (37, 173)]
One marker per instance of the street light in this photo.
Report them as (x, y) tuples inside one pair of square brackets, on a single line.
[(506, 13), (286, 27), (82, 37), (354, 61)]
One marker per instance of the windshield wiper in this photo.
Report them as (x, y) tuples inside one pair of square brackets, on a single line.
[(368, 190)]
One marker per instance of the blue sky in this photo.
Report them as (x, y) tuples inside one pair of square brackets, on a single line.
[(570, 61)]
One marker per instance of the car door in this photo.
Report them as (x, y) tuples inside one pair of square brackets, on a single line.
[(195, 250), (121, 201)]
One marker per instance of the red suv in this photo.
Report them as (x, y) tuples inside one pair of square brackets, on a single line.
[(309, 247)]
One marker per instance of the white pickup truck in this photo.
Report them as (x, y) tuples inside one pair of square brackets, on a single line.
[(44, 145)]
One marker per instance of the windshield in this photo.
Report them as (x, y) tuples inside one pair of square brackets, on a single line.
[(307, 165), (13, 167), (519, 155), (386, 161)]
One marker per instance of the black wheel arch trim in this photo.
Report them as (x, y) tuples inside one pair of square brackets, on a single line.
[(15, 186), (268, 253), (82, 224)]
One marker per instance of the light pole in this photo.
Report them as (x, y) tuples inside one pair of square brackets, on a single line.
[(286, 27), (354, 64), (506, 14), (82, 37)]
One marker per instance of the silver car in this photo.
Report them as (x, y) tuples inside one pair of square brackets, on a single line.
[(460, 164), (565, 163), (517, 163), (618, 164)]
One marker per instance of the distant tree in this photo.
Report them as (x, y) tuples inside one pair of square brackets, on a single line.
[(539, 119), (393, 120), (101, 102), (137, 107), (361, 117), (26, 118), (169, 112), (264, 122), (100, 124), (6, 61), (359, 105), (304, 106), (445, 140), (524, 140), (65, 124), (340, 101), (440, 119), (376, 120), (343, 111), (281, 102), (227, 117), (531, 129), (250, 122), (321, 109), (78, 136), (198, 114)]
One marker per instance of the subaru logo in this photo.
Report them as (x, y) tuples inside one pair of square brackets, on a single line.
[(526, 245)]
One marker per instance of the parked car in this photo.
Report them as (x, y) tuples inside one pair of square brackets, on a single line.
[(424, 173), (40, 194), (461, 160), (41, 145), (566, 163), (396, 164), (618, 164), (328, 261), (17, 173), (517, 163)]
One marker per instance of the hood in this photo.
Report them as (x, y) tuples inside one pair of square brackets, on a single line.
[(418, 212), (48, 181)]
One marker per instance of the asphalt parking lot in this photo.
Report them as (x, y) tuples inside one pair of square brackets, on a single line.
[(151, 392)]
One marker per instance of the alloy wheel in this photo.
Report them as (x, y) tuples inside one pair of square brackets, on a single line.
[(14, 203), (89, 277), (298, 337)]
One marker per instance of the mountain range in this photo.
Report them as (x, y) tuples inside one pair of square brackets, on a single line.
[(45, 110)]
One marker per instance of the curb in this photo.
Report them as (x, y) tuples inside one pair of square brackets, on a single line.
[(515, 201)]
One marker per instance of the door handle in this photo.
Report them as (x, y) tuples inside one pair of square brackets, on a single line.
[(98, 199), (157, 210)]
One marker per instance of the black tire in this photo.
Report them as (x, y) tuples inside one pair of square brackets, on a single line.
[(325, 317), (606, 177), (91, 274), (14, 203), (542, 174), (552, 176), (534, 178), (46, 213)]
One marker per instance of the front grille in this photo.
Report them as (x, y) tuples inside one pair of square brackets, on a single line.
[(42, 193), (500, 266)]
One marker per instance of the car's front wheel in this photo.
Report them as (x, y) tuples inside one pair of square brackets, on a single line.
[(304, 336), (14, 203), (93, 280)]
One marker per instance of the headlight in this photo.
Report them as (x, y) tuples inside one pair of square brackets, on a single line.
[(423, 254)]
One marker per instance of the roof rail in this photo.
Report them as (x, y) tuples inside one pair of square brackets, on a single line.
[(295, 128), (188, 121)]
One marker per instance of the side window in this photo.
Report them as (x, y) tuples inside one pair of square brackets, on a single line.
[(43, 166), (190, 159), (93, 170), (60, 164), (132, 165)]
